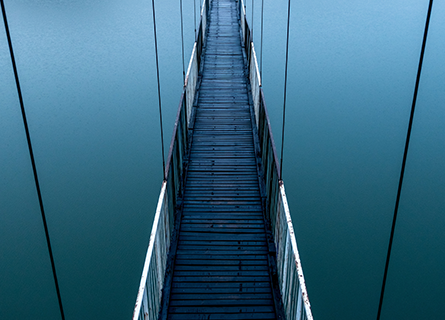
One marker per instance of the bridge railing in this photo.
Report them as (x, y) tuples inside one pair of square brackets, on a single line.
[(148, 301), (290, 273)]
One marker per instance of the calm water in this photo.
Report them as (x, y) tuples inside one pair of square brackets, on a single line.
[(89, 83)]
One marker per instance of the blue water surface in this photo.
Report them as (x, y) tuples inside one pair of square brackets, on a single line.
[(87, 70)]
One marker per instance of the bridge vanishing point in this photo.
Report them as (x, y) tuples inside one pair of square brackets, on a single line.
[(222, 244)]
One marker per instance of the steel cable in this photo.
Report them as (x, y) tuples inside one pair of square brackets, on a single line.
[(194, 14), (31, 154), (285, 90), (405, 154), (182, 40), (261, 48), (251, 27), (159, 88)]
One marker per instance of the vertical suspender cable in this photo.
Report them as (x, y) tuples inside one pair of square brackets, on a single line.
[(261, 48), (251, 27), (405, 153), (200, 8), (182, 39), (285, 90), (159, 87), (194, 14), (31, 154)]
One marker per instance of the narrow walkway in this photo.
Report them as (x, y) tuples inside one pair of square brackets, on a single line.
[(221, 269)]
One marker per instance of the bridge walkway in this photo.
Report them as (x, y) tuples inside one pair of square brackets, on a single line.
[(221, 269)]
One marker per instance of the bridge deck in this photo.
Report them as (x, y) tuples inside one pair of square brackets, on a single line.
[(221, 269)]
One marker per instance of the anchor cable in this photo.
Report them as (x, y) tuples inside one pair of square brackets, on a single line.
[(182, 39), (31, 154), (159, 87), (405, 153), (285, 89)]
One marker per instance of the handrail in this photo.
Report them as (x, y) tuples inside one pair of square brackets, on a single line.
[(149, 296), (290, 273)]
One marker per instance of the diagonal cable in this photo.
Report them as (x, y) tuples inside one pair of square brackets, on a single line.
[(159, 88), (33, 163), (405, 154), (285, 90)]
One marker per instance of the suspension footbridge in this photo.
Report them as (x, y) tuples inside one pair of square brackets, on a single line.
[(222, 244)]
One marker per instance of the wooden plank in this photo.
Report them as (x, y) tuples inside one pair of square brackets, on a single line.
[(221, 285), (225, 221), (233, 249), (220, 296), (218, 273), (221, 243), (223, 316), (223, 231), (222, 303), (221, 267), (216, 256), (200, 310), (196, 207), (222, 234)]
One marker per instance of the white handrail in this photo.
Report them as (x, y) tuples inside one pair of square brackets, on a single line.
[(292, 264), (148, 301), (292, 283), (142, 301)]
